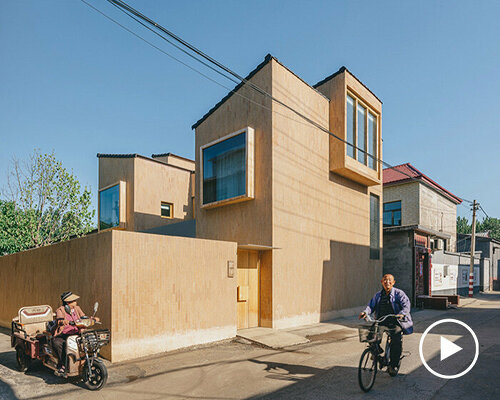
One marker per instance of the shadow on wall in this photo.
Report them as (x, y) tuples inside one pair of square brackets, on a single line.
[(350, 278), (344, 182)]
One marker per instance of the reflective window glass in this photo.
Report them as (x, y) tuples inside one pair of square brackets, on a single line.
[(372, 140), (224, 169), (350, 126), (109, 207), (374, 227), (361, 142)]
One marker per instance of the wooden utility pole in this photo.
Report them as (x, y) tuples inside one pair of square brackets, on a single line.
[(472, 249)]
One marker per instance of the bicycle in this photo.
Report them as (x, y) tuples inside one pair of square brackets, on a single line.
[(372, 357)]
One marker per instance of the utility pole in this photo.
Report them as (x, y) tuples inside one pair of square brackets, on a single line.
[(472, 249)]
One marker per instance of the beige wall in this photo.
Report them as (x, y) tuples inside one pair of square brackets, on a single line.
[(170, 292), (155, 293), (409, 195), (320, 220), (177, 161), (438, 213), (148, 183), (247, 222), (39, 276)]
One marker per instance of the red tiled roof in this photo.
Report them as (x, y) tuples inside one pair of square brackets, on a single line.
[(406, 172)]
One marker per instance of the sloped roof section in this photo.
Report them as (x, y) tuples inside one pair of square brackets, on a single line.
[(407, 172)]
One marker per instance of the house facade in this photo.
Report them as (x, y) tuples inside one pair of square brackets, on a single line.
[(276, 223), (419, 217)]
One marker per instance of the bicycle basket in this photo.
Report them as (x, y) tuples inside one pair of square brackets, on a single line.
[(369, 333), (94, 340)]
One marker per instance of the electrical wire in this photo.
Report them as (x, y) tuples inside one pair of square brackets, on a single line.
[(132, 13)]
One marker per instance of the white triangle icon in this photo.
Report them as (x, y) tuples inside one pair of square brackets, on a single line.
[(448, 348)]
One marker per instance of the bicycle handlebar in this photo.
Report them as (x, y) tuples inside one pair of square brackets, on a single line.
[(381, 319)]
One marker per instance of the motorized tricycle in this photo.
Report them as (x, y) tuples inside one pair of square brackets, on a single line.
[(31, 336)]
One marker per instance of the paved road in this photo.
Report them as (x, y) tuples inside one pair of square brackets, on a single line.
[(325, 368)]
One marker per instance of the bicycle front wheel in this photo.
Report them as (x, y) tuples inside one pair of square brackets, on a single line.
[(367, 370)]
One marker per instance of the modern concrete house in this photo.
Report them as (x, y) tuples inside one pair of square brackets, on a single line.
[(419, 217), (282, 221)]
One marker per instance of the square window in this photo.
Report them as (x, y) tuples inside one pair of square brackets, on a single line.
[(167, 210), (227, 169)]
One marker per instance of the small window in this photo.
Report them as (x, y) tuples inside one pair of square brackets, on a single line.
[(392, 213), (167, 210), (374, 227)]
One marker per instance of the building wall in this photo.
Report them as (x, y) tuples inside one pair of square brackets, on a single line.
[(148, 183), (321, 221), (178, 161), (170, 292), (156, 182), (39, 276), (399, 259), (113, 170), (409, 194), (438, 213), (247, 222)]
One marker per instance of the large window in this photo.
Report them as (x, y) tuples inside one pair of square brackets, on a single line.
[(109, 207), (392, 213), (227, 167), (361, 132), (374, 227)]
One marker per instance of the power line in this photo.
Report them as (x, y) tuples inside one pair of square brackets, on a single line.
[(134, 14)]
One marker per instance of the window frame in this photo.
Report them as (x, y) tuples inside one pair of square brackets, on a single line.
[(375, 252), (358, 101), (171, 209), (392, 213), (122, 210), (249, 169)]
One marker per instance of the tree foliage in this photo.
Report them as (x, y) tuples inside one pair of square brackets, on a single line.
[(45, 204), (489, 224)]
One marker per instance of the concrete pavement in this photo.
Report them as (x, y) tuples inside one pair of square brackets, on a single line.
[(323, 368)]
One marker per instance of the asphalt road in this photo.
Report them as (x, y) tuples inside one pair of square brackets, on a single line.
[(325, 368)]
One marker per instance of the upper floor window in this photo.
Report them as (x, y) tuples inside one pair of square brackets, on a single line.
[(228, 168), (392, 213), (374, 227), (109, 207), (361, 132)]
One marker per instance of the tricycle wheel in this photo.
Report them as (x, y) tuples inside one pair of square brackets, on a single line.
[(98, 377), (23, 360)]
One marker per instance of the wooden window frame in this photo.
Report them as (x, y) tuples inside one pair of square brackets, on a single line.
[(358, 100), (249, 170), (122, 205), (171, 209)]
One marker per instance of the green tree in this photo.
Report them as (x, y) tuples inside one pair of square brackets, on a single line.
[(14, 235), (463, 225), (46, 203), (492, 225)]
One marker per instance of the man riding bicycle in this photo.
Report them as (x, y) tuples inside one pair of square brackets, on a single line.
[(391, 300)]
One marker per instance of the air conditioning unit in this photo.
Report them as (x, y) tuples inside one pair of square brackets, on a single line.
[(438, 244)]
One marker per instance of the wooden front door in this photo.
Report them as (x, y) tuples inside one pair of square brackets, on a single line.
[(248, 294)]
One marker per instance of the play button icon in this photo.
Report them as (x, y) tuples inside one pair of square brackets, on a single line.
[(456, 344), (448, 348)]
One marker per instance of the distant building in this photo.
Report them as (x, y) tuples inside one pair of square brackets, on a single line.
[(419, 216)]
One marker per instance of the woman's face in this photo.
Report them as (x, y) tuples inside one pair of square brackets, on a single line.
[(72, 304)]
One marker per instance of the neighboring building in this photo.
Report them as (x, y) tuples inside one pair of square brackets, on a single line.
[(489, 248), (419, 216)]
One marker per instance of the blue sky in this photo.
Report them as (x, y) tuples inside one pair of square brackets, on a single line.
[(74, 82)]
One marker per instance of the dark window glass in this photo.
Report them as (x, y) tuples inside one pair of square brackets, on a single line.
[(166, 210), (361, 141), (224, 169), (350, 131), (109, 207), (372, 140), (374, 227), (392, 213)]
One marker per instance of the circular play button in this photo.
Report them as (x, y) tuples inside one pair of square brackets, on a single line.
[(450, 350)]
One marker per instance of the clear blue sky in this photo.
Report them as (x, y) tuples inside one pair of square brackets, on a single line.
[(73, 82)]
